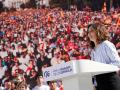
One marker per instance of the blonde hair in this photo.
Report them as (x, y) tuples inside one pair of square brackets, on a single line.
[(20, 84), (101, 31)]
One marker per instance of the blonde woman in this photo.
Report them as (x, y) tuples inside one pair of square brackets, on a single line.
[(22, 86), (104, 51)]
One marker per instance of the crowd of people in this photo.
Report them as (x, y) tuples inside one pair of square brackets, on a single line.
[(33, 39)]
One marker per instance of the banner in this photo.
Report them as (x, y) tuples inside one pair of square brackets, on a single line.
[(59, 71)]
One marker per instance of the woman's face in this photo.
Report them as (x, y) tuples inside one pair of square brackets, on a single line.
[(23, 87), (92, 35)]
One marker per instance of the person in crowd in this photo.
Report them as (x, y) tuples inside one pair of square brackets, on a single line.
[(53, 85), (22, 86), (60, 84), (13, 85), (41, 84), (31, 79), (56, 59), (15, 69), (3, 69), (7, 85), (104, 51)]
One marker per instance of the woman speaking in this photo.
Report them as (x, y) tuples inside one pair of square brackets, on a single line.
[(104, 51)]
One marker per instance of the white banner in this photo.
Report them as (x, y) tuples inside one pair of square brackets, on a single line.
[(59, 71)]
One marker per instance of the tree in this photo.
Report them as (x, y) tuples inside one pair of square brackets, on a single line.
[(1, 6), (31, 4)]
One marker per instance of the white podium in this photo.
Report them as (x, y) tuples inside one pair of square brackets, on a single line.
[(77, 74)]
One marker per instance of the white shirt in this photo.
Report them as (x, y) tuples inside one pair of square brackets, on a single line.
[(23, 67), (43, 87), (24, 60), (14, 52), (13, 69), (1, 88), (3, 54), (106, 53), (2, 71), (54, 61)]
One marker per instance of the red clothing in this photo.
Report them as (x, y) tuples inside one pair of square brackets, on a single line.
[(68, 29), (71, 45), (61, 88)]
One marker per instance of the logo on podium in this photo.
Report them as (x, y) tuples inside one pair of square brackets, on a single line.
[(46, 74)]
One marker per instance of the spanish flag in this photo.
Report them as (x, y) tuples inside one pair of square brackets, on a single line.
[(118, 22), (62, 14), (49, 18)]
